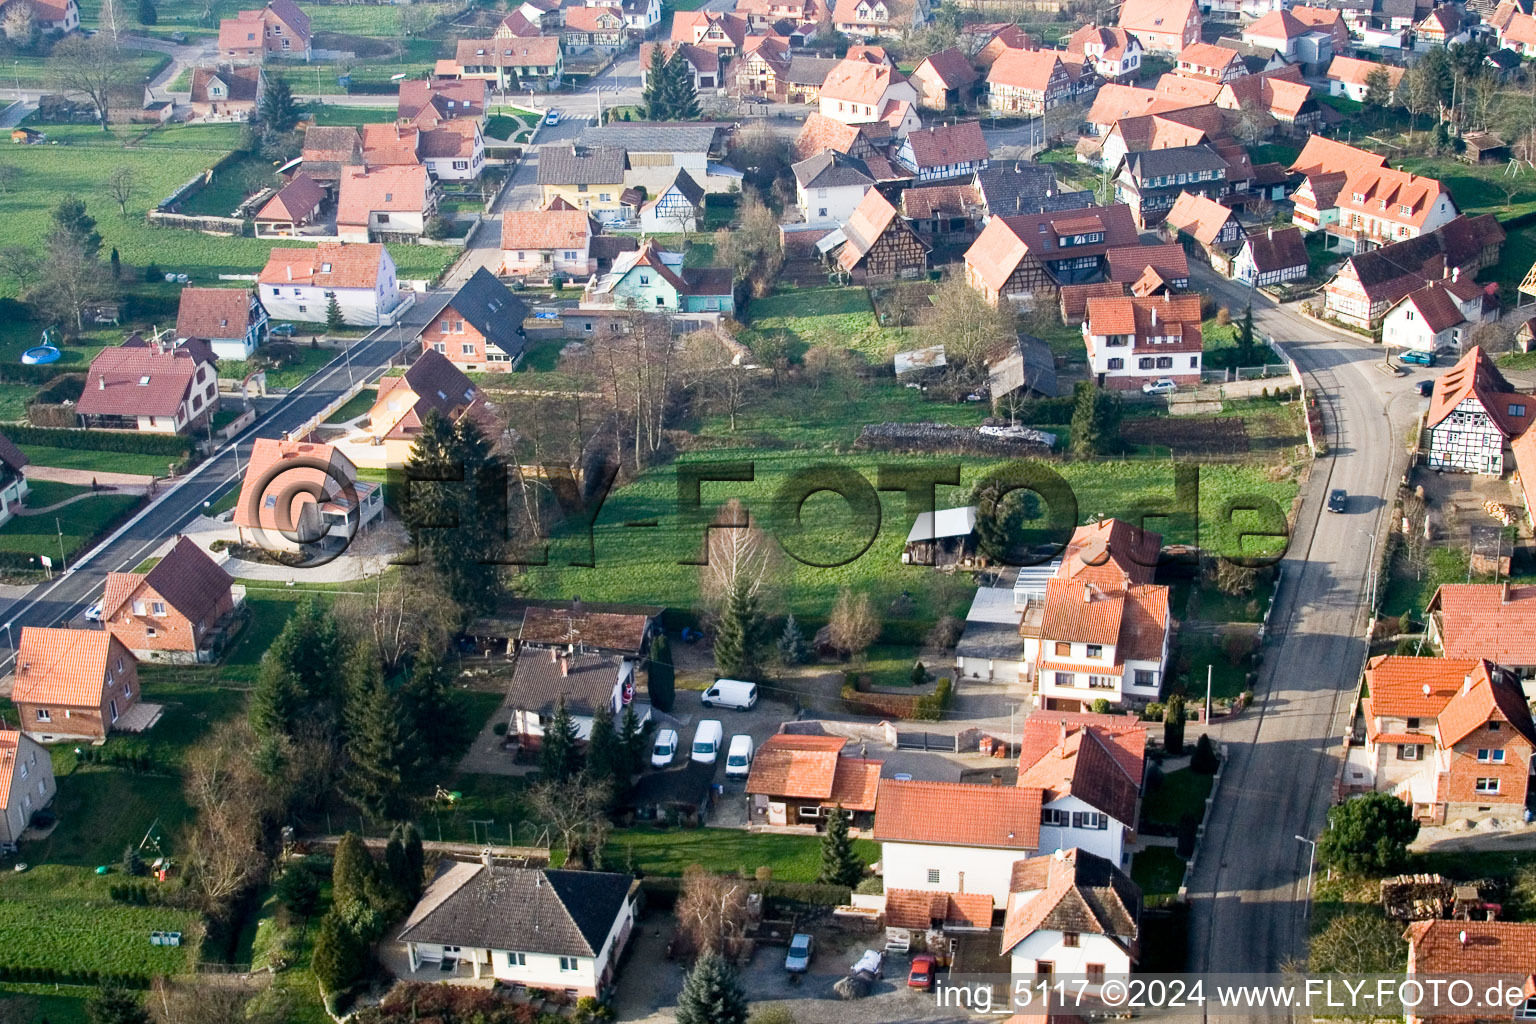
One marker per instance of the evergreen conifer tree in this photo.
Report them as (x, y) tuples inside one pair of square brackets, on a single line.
[(738, 637), (559, 757), (793, 650), (660, 678), (374, 781), (839, 864), (712, 994)]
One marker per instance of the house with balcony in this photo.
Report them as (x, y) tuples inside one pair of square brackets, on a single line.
[(1452, 738), (1370, 283), (157, 388), (295, 493), (1132, 340), (480, 328), (74, 684), (1100, 628), (515, 65), (431, 384), (1325, 165), (1017, 258), (1379, 205), (231, 320)]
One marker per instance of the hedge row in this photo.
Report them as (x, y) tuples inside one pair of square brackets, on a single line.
[(54, 976), (133, 441), (31, 373)]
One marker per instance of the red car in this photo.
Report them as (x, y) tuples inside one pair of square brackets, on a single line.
[(921, 974)]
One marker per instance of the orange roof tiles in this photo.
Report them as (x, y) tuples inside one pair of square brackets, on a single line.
[(1491, 947), (957, 814), (264, 482), (529, 51), (1491, 695), (1115, 101), (950, 68), (1111, 551), (1390, 194), (380, 189), (1072, 891), (1327, 156), (327, 265), (1128, 263), (1156, 16), (1496, 621), (1099, 762), (1398, 683), (63, 666), (140, 380), (210, 313), (857, 81), (545, 229), (1476, 377), (1199, 216), (1025, 69), (855, 784), (1082, 612), (790, 764), (1352, 71), (917, 909)]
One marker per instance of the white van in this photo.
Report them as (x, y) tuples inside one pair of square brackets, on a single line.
[(706, 741), (738, 759), (665, 748), (731, 693)]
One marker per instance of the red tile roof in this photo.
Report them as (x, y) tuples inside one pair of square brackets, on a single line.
[(64, 666), (327, 265), (1111, 551), (1142, 317), (1072, 891), (1496, 621), (1006, 240), (941, 145), (957, 814), (789, 764), (392, 144), (139, 381), (1474, 376), (1277, 25), (1074, 297), (1128, 263), (1352, 71), (917, 909), (448, 97), (533, 51), (1407, 687), (241, 84), (10, 751), (857, 81), (295, 202), (1492, 695), (1115, 101), (592, 19), (264, 483), (545, 229), (1100, 763), (1327, 156), (856, 784), (210, 313), (380, 189), (1156, 16), (1491, 947), (950, 68), (1396, 189), (1199, 216), (1025, 69)]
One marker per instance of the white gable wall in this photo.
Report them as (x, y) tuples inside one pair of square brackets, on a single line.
[(960, 868)]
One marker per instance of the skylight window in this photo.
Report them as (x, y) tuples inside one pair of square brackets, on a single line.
[(144, 380), (325, 268)]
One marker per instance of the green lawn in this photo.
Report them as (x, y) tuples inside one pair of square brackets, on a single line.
[(102, 809), (1282, 153), (1158, 870), (1182, 792), (95, 461), (638, 564), (81, 523), (350, 117), (800, 416), (62, 917), (355, 406), (1484, 188), (793, 858), (42, 493), (842, 317), (1198, 650), (49, 173), (1409, 589), (56, 1004), (220, 197), (367, 20), (290, 375), (37, 73), (1514, 263), (279, 938)]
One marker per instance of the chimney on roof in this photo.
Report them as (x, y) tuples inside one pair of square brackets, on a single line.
[(1087, 592), (1271, 232), (565, 665), (1425, 689), (1061, 734), (554, 655), (1455, 274), (486, 857), (1466, 683), (1154, 316), (1462, 937), (1504, 594), (101, 382)]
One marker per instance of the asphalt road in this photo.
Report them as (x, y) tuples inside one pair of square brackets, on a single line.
[(1249, 890), (69, 593)]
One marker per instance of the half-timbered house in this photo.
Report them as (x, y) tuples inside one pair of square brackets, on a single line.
[(879, 245)]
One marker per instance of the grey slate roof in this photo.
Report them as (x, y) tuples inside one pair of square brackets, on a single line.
[(1154, 163), (560, 913), (537, 684), (492, 309), (996, 641), (831, 169), (684, 183), (1010, 187), (808, 70), (645, 137), (1030, 365), (569, 164)]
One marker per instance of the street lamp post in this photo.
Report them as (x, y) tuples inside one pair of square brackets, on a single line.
[(9, 641), (1311, 865)]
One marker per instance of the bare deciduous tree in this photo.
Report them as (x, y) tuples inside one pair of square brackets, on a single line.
[(91, 65), (223, 847), (216, 999), (20, 24), (68, 281), (108, 19), (711, 911), (738, 550), (578, 811), (407, 611), (752, 248), (854, 624), (120, 185), (718, 374), (21, 263), (636, 373)]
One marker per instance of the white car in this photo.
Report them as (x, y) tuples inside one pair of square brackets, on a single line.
[(1161, 386), (93, 613), (870, 963), (706, 741), (664, 749), (553, 117)]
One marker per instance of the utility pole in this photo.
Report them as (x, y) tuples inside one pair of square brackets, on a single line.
[(1208, 696), (63, 562), (1311, 865)]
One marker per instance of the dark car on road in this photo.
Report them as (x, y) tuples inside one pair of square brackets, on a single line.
[(1338, 500), (1425, 388)]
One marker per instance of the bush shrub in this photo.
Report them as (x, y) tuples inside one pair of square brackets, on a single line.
[(133, 442)]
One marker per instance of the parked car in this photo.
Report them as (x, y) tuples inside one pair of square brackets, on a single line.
[(282, 330), (1417, 358), (731, 693), (664, 749), (738, 758), (921, 974), (798, 959), (870, 963), (1425, 388), (553, 117), (706, 741), (1338, 500), (1161, 386), (93, 613)]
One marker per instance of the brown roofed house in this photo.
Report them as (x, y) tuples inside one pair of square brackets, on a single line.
[(295, 207), (174, 611), (327, 149), (606, 632), (431, 384), (797, 779), (1033, 254), (226, 93), (74, 683), (231, 320), (880, 245), (944, 80), (1459, 949), (1072, 907), (543, 680), (281, 27)]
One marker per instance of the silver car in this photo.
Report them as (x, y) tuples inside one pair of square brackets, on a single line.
[(798, 959)]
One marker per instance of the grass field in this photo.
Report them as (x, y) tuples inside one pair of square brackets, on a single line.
[(38, 73), (49, 173), (670, 851), (349, 117), (56, 1004), (80, 522), (1182, 792), (354, 406), (97, 461), (1158, 870), (841, 317), (805, 417), (642, 564), (42, 493), (1199, 650), (1484, 188), (368, 20), (290, 375), (61, 917)]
